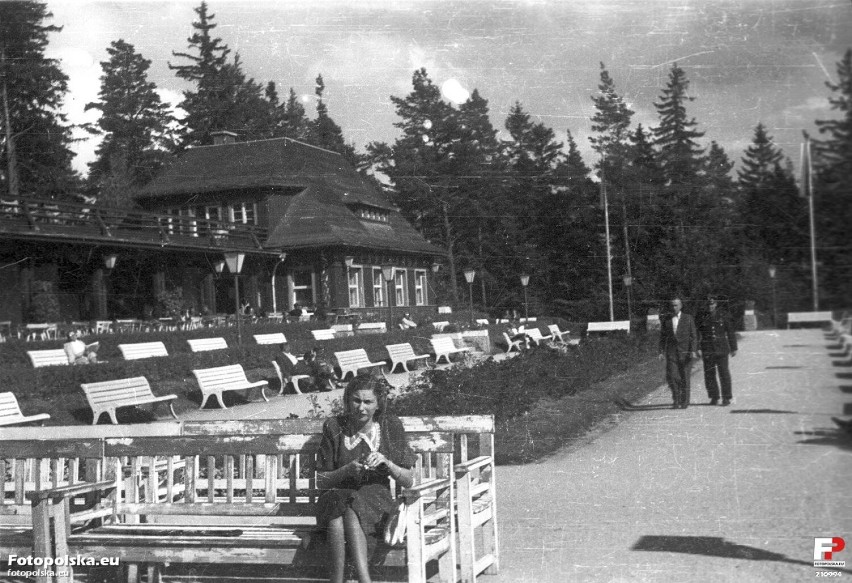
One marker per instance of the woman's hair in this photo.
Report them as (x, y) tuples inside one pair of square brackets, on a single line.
[(368, 381)]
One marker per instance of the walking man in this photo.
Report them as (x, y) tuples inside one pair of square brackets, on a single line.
[(678, 345), (718, 341)]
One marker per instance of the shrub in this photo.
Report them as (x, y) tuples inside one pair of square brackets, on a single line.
[(512, 387)]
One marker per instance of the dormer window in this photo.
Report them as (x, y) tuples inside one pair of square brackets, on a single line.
[(371, 213)]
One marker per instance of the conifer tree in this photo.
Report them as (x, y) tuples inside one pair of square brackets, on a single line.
[(759, 161), (679, 153), (833, 211), (324, 131), (134, 121), (36, 158), (294, 122), (223, 97)]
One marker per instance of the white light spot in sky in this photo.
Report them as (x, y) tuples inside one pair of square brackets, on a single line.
[(425, 138), (427, 124), (452, 90)]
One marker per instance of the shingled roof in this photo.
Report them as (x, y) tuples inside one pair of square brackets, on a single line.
[(317, 215)]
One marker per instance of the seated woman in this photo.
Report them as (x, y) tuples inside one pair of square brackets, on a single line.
[(77, 351), (519, 334), (290, 365), (406, 322), (359, 452), (321, 371)]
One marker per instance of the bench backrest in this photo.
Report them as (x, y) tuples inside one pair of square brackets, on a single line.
[(534, 333), (276, 338), (440, 325), (400, 351), (445, 310), (117, 392), (53, 357), (530, 319), (609, 326), (482, 321), (554, 329), (809, 317), (244, 473), (349, 358), (220, 375), (204, 344), (376, 327), (9, 408), (142, 350), (323, 334), (443, 344)]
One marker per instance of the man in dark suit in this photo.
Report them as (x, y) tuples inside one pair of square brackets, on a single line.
[(718, 341), (679, 345)]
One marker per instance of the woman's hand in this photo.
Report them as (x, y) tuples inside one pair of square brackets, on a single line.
[(374, 460)]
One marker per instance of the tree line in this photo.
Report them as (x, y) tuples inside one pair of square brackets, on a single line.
[(680, 221)]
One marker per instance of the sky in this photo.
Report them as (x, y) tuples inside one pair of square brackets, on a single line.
[(747, 61)]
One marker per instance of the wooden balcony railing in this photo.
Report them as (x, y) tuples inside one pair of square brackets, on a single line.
[(49, 218)]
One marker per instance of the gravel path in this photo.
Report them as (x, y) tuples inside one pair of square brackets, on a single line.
[(705, 494)]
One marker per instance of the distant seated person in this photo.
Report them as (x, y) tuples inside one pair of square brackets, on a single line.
[(78, 352), (406, 322), (298, 311), (519, 334), (290, 365), (321, 371)]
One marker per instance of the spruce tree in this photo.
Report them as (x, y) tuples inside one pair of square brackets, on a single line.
[(324, 131), (134, 121), (36, 158), (294, 122), (679, 153), (833, 190), (759, 161), (223, 97)]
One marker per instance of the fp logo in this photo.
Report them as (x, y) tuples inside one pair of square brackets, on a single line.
[(825, 547)]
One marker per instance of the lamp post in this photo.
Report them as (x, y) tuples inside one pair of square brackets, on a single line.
[(109, 261), (772, 272), (387, 274), (628, 282), (525, 281), (469, 274), (281, 259), (235, 265)]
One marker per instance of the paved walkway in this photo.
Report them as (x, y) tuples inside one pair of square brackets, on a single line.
[(710, 494)]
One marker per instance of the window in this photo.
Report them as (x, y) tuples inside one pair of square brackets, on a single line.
[(378, 288), (401, 280), (356, 288), (302, 286), (420, 287), (243, 213)]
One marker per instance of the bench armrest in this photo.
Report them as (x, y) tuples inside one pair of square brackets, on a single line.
[(418, 491), (477, 462), (71, 490)]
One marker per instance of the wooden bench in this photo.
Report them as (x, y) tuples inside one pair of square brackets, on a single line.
[(142, 350), (353, 361), (445, 310), (512, 344), (213, 382), (10, 411), (264, 483), (439, 326), (482, 321), (372, 328), (537, 337), (206, 344), (323, 334), (559, 336), (292, 381), (276, 338), (341, 330), (54, 357), (527, 320), (808, 318), (107, 396), (621, 325), (402, 354), (444, 348)]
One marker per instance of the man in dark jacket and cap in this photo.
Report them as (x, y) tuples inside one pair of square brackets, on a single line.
[(718, 341)]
